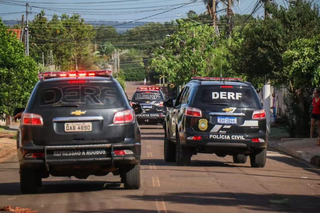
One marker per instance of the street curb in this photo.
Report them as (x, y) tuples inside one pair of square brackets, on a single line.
[(299, 155)]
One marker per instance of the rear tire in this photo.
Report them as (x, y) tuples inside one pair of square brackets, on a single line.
[(183, 154), (29, 181), (240, 158), (131, 178), (169, 150), (258, 159)]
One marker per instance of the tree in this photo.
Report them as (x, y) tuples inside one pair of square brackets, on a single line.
[(282, 49), (68, 39), (191, 51), (18, 73)]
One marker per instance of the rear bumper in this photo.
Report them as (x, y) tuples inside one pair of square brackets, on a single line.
[(210, 141), (79, 155)]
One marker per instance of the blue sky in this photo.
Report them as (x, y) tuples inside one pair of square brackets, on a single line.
[(119, 10)]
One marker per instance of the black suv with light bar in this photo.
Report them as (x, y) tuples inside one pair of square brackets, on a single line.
[(216, 115), (151, 100), (78, 124)]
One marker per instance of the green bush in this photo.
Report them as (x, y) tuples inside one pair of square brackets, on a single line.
[(122, 82)]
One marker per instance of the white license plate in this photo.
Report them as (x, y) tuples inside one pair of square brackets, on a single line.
[(227, 120), (78, 127), (68, 153)]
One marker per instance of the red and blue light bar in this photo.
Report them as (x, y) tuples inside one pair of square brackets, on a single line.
[(148, 88), (75, 74)]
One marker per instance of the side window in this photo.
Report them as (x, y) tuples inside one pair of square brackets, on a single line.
[(186, 96), (180, 96)]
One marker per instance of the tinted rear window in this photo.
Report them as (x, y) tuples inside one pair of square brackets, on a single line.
[(147, 96), (86, 95), (237, 96)]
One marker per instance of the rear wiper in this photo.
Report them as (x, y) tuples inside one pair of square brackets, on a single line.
[(221, 104), (65, 105)]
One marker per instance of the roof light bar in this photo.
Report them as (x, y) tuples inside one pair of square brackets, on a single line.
[(216, 79), (148, 88), (75, 74)]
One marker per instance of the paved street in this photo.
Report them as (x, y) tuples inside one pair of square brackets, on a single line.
[(210, 184)]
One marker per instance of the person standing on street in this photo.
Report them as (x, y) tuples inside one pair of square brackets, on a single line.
[(315, 115)]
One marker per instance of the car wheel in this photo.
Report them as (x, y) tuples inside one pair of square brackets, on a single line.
[(183, 154), (29, 180), (258, 159), (169, 150), (240, 158), (131, 178)]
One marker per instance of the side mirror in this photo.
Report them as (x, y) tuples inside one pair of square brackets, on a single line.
[(17, 113), (137, 108), (169, 102)]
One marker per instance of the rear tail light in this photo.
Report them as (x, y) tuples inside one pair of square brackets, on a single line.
[(194, 112), (259, 114), (35, 155), (122, 117), (257, 140), (31, 119), (122, 152), (194, 138), (226, 86), (161, 104)]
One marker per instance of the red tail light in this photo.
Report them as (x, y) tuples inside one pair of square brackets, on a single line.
[(76, 82), (119, 152), (196, 138), (259, 114), (225, 86), (38, 155), (161, 104), (122, 117), (31, 119), (255, 140), (194, 112)]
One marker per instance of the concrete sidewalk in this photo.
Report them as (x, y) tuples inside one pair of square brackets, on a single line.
[(305, 149)]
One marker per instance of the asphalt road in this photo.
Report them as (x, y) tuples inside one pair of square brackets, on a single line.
[(210, 184)]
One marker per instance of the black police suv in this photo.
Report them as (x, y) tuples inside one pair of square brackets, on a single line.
[(151, 100), (216, 115), (78, 124)]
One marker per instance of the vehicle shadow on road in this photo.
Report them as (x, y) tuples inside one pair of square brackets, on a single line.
[(194, 163), (121, 211), (53, 187), (249, 201)]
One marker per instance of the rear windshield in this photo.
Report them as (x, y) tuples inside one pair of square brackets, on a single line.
[(237, 96), (94, 95), (147, 96)]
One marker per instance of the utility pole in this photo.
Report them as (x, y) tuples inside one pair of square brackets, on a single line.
[(266, 14), (27, 30), (214, 15), (229, 15), (22, 28)]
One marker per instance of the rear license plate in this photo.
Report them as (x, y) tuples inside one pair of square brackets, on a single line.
[(79, 152), (226, 120), (78, 127), (147, 106)]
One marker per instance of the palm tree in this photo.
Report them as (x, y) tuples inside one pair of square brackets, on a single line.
[(208, 4)]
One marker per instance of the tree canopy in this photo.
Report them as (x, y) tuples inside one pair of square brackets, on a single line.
[(18, 73)]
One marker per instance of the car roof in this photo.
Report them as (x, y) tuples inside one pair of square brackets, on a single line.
[(218, 83)]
